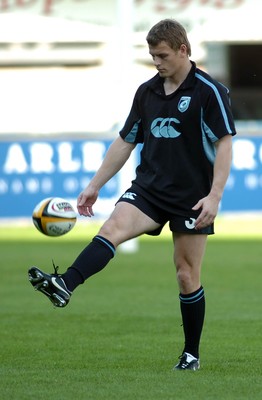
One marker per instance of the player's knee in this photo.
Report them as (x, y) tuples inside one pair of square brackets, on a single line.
[(185, 274), (188, 278), (111, 231), (107, 230), (184, 278)]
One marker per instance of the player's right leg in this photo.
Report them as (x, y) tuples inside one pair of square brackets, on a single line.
[(126, 222), (51, 285)]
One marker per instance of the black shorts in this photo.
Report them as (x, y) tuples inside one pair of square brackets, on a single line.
[(177, 223)]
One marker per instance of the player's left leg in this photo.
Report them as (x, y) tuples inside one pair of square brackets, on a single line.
[(189, 250)]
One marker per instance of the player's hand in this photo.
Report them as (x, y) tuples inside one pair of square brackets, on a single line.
[(85, 202), (209, 209)]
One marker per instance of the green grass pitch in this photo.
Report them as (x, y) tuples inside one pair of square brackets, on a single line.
[(121, 334)]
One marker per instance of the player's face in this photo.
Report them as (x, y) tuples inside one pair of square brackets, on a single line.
[(166, 60)]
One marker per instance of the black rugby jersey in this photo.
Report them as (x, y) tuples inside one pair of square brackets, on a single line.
[(178, 132)]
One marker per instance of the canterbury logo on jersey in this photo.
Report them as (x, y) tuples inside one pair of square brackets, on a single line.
[(129, 195), (190, 224), (165, 127)]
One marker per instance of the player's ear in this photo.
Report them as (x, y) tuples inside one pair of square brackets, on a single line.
[(183, 49)]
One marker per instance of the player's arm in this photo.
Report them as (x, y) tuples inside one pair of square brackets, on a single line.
[(222, 166), (209, 204), (116, 156)]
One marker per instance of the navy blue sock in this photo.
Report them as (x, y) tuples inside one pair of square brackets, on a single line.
[(193, 313), (92, 260)]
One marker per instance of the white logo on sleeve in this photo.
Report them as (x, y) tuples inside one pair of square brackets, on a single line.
[(190, 224), (129, 195)]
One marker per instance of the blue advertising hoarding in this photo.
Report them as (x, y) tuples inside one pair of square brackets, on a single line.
[(243, 192), (33, 170)]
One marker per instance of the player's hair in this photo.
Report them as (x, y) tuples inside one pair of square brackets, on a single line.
[(169, 31)]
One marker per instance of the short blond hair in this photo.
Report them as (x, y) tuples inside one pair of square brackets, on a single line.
[(169, 31)]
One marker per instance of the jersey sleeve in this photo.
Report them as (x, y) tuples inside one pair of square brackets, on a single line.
[(217, 118), (132, 131)]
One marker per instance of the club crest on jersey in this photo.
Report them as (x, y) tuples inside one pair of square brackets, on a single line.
[(184, 103)]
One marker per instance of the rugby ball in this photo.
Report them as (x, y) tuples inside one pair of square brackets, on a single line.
[(54, 216)]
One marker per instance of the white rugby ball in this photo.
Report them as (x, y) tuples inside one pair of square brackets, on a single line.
[(54, 216)]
